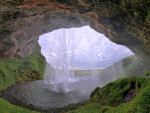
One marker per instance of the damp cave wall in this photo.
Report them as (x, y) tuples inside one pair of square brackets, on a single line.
[(123, 22)]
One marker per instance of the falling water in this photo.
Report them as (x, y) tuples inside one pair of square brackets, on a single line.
[(71, 60), (74, 49), (58, 76)]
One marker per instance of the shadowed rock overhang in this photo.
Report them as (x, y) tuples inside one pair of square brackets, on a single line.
[(122, 21)]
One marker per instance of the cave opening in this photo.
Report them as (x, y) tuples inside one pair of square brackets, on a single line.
[(92, 62), (68, 51), (75, 59)]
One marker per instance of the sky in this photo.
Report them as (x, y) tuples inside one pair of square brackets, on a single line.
[(87, 48)]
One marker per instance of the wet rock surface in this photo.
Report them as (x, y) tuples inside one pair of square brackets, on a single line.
[(22, 22)]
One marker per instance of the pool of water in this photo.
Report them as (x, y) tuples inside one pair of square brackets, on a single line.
[(41, 95)]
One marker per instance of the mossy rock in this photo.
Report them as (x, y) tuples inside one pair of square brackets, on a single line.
[(111, 97), (114, 93), (14, 70)]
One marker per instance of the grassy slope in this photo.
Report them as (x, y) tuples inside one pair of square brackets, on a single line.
[(109, 99), (32, 68), (15, 70), (6, 107)]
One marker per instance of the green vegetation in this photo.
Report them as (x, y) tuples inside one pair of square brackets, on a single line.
[(6, 107), (147, 73), (112, 98), (26, 69), (14, 70), (90, 108), (131, 17), (109, 99)]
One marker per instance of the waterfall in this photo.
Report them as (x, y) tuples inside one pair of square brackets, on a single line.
[(71, 43), (58, 75), (66, 50)]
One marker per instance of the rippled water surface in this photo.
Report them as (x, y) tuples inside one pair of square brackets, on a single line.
[(40, 94)]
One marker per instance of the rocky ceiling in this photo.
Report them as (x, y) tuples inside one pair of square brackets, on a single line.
[(125, 22)]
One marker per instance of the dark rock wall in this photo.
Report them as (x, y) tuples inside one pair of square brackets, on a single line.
[(125, 22)]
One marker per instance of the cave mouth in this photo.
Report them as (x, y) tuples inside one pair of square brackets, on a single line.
[(69, 50), (90, 51)]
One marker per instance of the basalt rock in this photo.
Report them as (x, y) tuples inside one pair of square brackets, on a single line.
[(122, 21)]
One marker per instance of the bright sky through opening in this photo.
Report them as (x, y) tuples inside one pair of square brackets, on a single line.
[(92, 50)]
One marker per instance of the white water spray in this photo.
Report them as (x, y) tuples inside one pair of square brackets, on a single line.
[(66, 50), (59, 75)]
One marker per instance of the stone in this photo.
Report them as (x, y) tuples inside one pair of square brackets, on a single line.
[(22, 22)]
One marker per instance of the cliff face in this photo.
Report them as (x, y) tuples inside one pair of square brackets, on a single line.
[(122, 21)]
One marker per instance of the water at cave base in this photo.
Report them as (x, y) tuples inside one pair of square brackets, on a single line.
[(60, 87), (40, 95)]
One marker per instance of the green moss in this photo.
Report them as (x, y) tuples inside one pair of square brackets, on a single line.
[(15, 70), (147, 73), (114, 92), (6, 107), (91, 108), (110, 98)]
